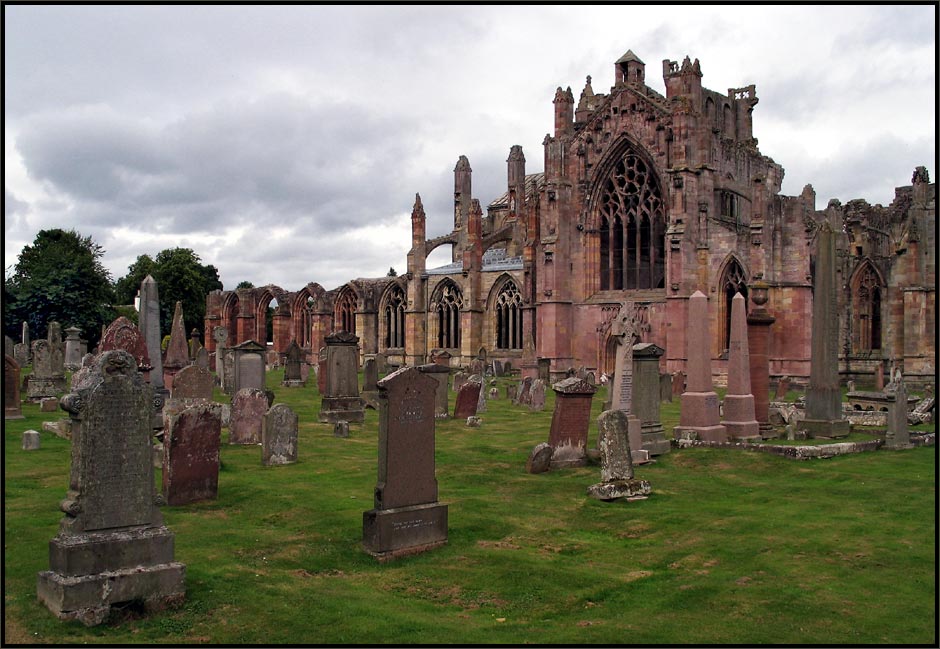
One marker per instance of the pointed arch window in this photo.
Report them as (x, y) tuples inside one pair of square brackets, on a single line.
[(867, 293), (394, 318), (632, 227), (509, 317), (447, 307), (733, 281), (345, 314)]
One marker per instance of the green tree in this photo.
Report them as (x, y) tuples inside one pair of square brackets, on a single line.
[(59, 277), (180, 276), (245, 284), (391, 272)]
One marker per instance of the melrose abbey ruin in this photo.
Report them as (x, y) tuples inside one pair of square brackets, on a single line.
[(642, 197)]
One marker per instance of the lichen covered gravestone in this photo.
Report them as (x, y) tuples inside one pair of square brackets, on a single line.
[(570, 421), (617, 479), (407, 517), (248, 408), (279, 436), (112, 546)]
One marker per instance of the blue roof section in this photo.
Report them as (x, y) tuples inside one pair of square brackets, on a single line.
[(494, 260)]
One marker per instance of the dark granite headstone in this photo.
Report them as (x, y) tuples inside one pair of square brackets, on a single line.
[(112, 546), (12, 409), (407, 517), (248, 408), (293, 361), (279, 436), (468, 398), (341, 400), (191, 453)]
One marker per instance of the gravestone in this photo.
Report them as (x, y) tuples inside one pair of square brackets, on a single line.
[(459, 379), (202, 358), (341, 400), (322, 371), (441, 374), (148, 320), (220, 336), (570, 421), (476, 367), (191, 453), (898, 436), (468, 398), (193, 382), (49, 404), (850, 385), (12, 409), (8, 345), (665, 387), (481, 397), (646, 397), (497, 368), (228, 371), (524, 393), (249, 365), (739, 418), (48, 376), (678, 383), (112, 546), (122, 334), (22, 350), (540, 459), (195, 344), (823, 395), (73, 348), (617, 478), (248, 408), (759, 322), (537, 396), (177, 351), (381, 363), (279, 436), (407, 517), (545, 369), (341, 429), (293, 360), (698, 414), (494, 393), (370, 374), (621, 385), (31, 440), (783, 386)]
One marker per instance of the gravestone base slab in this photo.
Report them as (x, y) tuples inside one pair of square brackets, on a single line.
[(88, 598), (391, 533), (831, 428), (704, 433), (767, 431), (654, 439), (38, 388), (334, 409), (743, 431), (370, 399), (293, 383), (641, 456), (632, 489)]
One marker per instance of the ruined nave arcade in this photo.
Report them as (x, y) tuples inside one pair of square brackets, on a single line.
[(643, 197)]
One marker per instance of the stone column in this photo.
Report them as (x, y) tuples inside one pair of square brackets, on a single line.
[(824, 396), (698, 413), (759, 321), (739, 418), (73, 348)]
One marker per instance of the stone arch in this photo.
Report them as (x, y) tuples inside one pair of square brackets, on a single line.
[(230, 312), (444, 310), (305, 304), (732, 278), (867, 287), (627, 224), (392, 307), (345, 308), (504, 305)]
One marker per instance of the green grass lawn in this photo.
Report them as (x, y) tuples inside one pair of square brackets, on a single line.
[(731, 547)]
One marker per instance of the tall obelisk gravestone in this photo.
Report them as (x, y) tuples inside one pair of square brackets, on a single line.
[(149, 324), (823, 396), (622, 385), (112, 546), (407, 517), (739, 418), (698, 413)]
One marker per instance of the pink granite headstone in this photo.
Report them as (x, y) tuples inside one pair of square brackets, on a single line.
[(177, 350), (468, 398), (698, 413), (191, 454), (248, 408), (739, 418), (570, 421), (122, 334)]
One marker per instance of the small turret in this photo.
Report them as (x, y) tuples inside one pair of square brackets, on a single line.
[(564, 111), (629, 69), (683, 80), (418, 224), (587, 103), (516, 180), (462, 174)]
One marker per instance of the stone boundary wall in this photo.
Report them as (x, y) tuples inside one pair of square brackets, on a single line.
[(805, 452)]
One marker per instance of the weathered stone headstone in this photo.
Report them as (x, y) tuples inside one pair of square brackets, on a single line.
[(476, 367), (497, 368), (646, 397), (249, 365), (279, 436), (381, 363), (12, 408), (112, 546), (459, 379), (468, 398), (545, 369), (493, 393), (621, 384), (341, 400), (248, 408), (824, 396), (122, 334), (8, 345), (191, 453), (49, 404), (341, 429), (441, 374), (698, 414), (202, 358), (739, 418), (537, 396), (293, 362), (783, 386), (48, 376), (665, 387), (148, 320), (617, 478), (407, 517), (220, 336), (524, 393), (228, 371), (322, 371), (370, 374), (481, 396), (898, 435), (31, 440), (570, 421), (195, 343), (193, 382), (540, 459), (177, 351), (73, 348), (22, 350)]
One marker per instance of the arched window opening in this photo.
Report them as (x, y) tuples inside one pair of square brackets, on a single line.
[(509, 317), (632, 246), (448, 305), (394, 315), (866, 298), (306, 322), (344, 316), (734, 281)]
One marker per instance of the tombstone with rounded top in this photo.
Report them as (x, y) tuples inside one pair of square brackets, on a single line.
[(191, 444)]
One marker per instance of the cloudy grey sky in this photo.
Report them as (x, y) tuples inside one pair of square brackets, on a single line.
[(286, 144)]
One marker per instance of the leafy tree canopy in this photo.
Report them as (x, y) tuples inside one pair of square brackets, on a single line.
[(392, 272), (245, 284), (59, 277)]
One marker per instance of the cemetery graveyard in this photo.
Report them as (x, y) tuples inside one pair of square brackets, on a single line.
[(414, 527)]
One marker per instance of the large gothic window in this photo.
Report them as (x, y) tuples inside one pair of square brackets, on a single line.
[(394, 316), (509, 317), (632, 228), (344, 315), (447, 306), (866, 304), (733, 280)]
